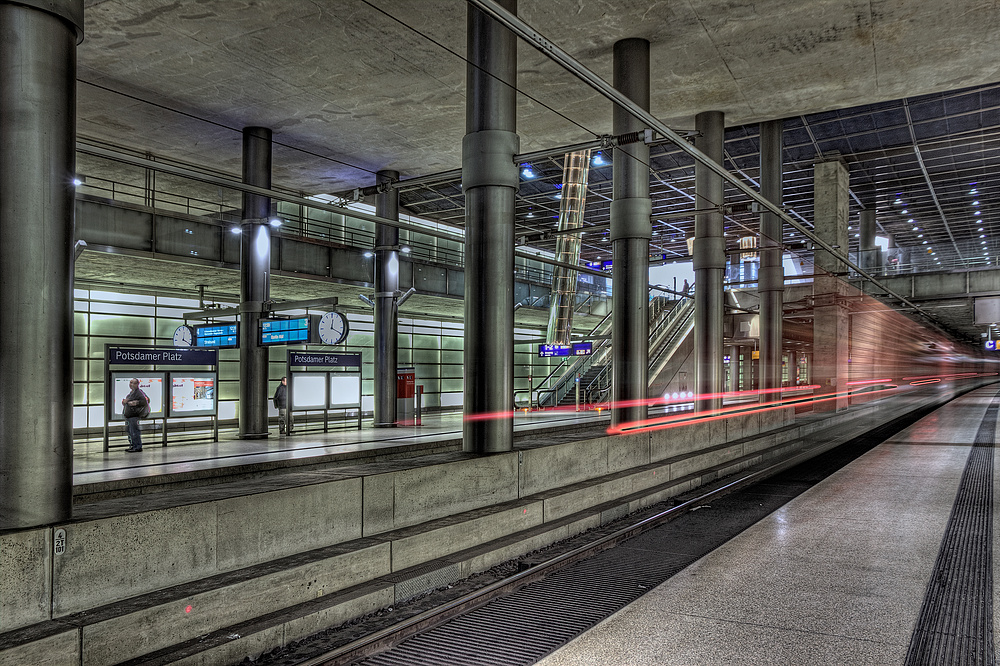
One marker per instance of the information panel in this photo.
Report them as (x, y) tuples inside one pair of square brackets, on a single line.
[(545, 351), (151, 384), (308, 390), (285, 331), (193, 393), (575, 349), (217, 335)]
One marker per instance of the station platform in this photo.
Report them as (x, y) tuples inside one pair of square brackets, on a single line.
[(887, 561), (99, 474)]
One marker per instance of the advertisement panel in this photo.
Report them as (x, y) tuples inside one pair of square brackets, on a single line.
[(151, 383), (193, 393)]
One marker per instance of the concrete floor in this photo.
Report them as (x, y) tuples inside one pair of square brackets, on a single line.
[(836, 576)]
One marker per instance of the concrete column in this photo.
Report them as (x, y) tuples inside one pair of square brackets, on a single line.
[(771, 282), (490, 181), (831, 200), (386, 293), (709, 263), (631, 231), (868, 253), (37, 164), (255, 282)]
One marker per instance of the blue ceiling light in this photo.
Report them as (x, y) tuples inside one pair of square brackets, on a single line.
[(598, 160), (527, 172), (976, 202)]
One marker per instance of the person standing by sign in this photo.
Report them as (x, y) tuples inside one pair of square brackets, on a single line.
[(135, 406), (281, 404)]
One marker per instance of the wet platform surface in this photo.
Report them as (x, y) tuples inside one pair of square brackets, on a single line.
[(841, 573)]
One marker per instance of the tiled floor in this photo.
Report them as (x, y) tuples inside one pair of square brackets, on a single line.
[(836, 576)]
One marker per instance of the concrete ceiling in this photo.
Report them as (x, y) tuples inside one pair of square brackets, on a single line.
[(350, 86)]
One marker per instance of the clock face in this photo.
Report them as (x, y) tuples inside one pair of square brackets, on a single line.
[(332, 328), (184, 336)]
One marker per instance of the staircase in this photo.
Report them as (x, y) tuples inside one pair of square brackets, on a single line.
[(586, 379)]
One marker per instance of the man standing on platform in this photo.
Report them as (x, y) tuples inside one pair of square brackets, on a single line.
[(281, 404)]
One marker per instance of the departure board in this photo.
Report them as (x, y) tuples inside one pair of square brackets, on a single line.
[(285, 331), (216, 335)]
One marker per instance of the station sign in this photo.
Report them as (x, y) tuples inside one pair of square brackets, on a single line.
[(575, 349), (991, 345), (325, 359), (171, 356)]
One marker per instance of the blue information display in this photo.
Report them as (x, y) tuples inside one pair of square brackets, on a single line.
[(575, 349), (285, 331), (216, 335), (991, 345)]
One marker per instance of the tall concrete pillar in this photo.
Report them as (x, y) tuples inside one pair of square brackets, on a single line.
[(709, 263), (37, 164), (255, 282), (868, 253), (631, 231), (771, 281), (831, 201), (490, 181), (386, 293)]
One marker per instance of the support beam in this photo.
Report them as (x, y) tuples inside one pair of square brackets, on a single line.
[(831, 201), (631, 231), (868, 252), (771, 283), (490, 181), (37, 139), (386, 292), (709, 262), (255, 282)]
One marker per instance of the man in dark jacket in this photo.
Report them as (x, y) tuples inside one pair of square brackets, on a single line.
[(134, 406), (281, 403)]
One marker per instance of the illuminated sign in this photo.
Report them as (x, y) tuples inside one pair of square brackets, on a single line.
[(575, 349), (286, 331), (991, 345), (324, 359), (192, 394), (216, 335), (171, 356), (149, 383)]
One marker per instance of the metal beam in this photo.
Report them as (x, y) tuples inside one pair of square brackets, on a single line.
[(927, 179)]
